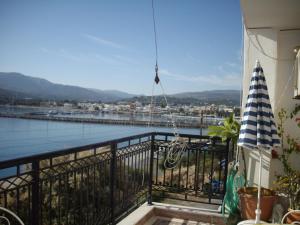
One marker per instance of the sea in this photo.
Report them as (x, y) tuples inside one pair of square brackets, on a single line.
[(24, 137)]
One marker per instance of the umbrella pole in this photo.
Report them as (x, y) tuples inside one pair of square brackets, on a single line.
[(258, 211)]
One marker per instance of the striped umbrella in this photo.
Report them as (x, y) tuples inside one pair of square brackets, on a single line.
[(258, 129)]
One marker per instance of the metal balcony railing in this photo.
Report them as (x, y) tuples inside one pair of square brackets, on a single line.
[(101, 183)]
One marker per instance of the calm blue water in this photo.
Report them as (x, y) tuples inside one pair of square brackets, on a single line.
[(21, 137)]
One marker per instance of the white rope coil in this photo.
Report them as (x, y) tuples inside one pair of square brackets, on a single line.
[(175, 152)]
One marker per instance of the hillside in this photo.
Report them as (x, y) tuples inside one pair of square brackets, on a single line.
[(228, 97), (19, 86), (44, 89), (218, 97)]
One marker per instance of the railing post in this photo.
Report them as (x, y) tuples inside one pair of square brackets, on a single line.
[(151, 170), (112, 181), (226, 164), (35, 197), (201, 123)]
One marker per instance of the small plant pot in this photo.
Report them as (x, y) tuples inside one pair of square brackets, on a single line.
[(292, 217), (248, 202)]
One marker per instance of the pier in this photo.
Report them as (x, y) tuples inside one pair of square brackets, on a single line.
[(179, 123)]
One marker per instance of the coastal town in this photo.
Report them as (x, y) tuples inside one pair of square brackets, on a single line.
[(123, 112), (137, 107), (127, 107)]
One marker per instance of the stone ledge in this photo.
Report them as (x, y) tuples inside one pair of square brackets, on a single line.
[(147, 215)]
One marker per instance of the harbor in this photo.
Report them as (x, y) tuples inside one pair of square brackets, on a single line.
[(182, 123), (114, 118)]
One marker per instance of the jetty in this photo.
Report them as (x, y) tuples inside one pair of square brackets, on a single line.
[(132, 122)]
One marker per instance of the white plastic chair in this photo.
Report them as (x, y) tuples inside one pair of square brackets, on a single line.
[(288, 213), (12, 214)]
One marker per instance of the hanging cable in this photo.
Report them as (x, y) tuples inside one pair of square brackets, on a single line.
[(177, 146), (157, 79), (155, 35)]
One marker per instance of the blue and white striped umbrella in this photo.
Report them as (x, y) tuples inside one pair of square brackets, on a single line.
[(258, 129)]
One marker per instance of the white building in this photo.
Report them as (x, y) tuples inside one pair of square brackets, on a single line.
[(68, 105)]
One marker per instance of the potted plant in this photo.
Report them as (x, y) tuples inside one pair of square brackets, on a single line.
[(288, 183), (248, 202)]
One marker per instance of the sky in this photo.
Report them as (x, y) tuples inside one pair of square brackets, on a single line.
[(109, 45)]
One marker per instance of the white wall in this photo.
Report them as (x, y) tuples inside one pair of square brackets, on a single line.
[(284, 85), (274, 49)]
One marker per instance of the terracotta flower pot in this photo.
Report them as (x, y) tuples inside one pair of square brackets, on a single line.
[(293, 216), (248, 202)]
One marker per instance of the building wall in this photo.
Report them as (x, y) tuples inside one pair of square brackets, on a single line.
[(274, 49)]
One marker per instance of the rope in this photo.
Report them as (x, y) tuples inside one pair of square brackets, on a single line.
[(242, 60), (235, 179), (278, 59), (151, 104), (175, 130), (177, 146), (241, 89), (155, 34), (284, 90)]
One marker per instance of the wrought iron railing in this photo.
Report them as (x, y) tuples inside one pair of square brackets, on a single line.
[(101, 183)]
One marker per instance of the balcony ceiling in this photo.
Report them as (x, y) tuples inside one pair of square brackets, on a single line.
[(281, 14)]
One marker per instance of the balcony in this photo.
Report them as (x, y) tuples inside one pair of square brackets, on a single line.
[(104, 182)]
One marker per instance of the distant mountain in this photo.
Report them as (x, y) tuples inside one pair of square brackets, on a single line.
[(22, 86), (19, 86), (10, 95), (227, 97), (231, 97), (117, 94)]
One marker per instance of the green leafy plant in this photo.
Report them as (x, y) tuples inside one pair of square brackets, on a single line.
[(229, 130), (289, 182)]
